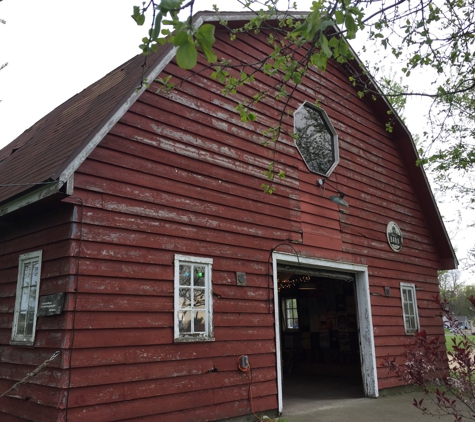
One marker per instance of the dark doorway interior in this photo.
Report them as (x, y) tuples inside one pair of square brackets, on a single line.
[(318, 335)]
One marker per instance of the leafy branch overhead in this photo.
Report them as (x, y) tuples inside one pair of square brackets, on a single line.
[(435, 37), (184, 36)]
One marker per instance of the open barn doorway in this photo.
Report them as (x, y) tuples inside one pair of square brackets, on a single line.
[(324, 334)]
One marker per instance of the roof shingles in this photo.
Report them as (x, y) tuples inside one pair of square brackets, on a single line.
[(36, 155)]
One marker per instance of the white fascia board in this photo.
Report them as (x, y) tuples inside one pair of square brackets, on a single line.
[(81, 157), (38, 194), (31, 197)]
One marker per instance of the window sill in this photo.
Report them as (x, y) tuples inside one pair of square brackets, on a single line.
[(193, 339), (22, 343)]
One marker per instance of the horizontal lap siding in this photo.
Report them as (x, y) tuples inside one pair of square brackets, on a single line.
[(181, 173), (178, 174), (378, 190), (41, 398)]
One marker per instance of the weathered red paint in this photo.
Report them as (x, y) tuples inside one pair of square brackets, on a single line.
[(181, 173)]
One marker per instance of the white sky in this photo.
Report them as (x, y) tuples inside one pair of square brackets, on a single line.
[(56, 48)]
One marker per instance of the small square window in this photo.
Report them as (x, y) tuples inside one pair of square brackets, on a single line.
[(26, 304), (193, 299), (409, 308), (291, 316)]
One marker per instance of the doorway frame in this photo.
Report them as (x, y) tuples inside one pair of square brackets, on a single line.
[(364, 316)]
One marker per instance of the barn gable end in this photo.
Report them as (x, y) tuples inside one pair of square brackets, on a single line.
[(166, 174)]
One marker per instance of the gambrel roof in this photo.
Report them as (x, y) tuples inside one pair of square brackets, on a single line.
[(42, 160)]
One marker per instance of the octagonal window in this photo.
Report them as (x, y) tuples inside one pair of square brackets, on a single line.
[(316, 139)]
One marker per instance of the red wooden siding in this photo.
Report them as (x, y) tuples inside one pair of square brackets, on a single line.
[(181, 173), (41, 398)]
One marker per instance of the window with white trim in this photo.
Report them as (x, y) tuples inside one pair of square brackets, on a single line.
[(26, 304), (316, 139), (193, 299), (291, 316), (409, 308)]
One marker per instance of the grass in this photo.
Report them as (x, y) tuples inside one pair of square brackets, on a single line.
[(449, 344)]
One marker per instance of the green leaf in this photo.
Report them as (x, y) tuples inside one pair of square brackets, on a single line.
[(206, 39), (320, 61), (324, 45), (350, 26), (325, 24), (166, 6), (138, 17), (156, 27), (297, 78), (186, 55), (340, 17), (181, 37), (333, 42)]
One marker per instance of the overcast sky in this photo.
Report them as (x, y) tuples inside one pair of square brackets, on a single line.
[(56, 48)]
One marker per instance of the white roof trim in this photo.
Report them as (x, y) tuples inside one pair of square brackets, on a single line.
[(81, 157), (104, 130), (31, 197)]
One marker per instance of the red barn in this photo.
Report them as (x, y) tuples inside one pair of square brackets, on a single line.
[(137, 241)]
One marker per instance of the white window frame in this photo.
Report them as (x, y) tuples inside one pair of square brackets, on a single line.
[(285, 311), (331, 130), (411, 306), (21, 338), (208, 334)]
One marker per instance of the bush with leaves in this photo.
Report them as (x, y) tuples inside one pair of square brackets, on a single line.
[(447, 378)]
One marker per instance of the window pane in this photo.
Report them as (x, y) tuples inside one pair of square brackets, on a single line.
[(27, 274), (29, 323), (199, 298), (314, 140), (185, 298), (199, 276), (291, 314), (35, 278), (32, 299), (199, 322), (185, 275), (24, 299), (21, 323), (409, 307), (404, 295), (184, 321)]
